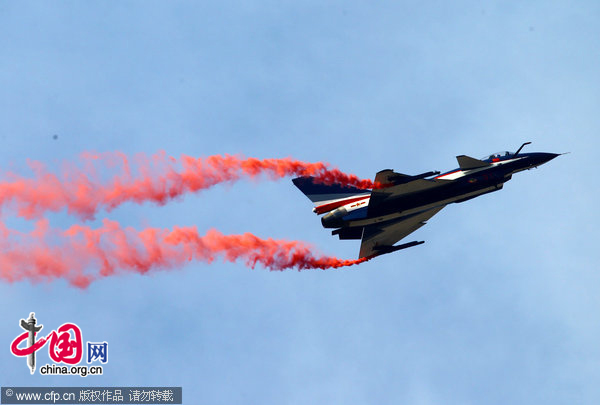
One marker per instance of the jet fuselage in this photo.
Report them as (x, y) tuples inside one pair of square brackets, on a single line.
[(399, 204), (457, 185)]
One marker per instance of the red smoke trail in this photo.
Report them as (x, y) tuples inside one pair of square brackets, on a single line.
[(158, 178), (81, 254)]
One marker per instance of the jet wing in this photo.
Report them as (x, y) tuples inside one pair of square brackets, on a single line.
[(385, 234), (378, 195), (388, 176)]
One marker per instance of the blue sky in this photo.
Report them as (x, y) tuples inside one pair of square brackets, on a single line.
[(498, 306)]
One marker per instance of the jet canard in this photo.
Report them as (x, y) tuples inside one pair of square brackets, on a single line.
[(401, 204)]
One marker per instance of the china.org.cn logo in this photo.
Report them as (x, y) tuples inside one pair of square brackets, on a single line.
[(65, 349)]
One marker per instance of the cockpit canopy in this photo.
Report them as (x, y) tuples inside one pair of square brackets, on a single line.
[(497, 155)]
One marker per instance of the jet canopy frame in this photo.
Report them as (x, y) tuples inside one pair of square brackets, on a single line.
[(503, 154), (497, 155)]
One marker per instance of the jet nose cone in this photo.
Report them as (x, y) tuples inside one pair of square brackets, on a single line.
[(538, 159), (546, 157), (549, 156)]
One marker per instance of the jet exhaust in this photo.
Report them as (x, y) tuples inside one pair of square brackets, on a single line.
[(106, 180), (82, 255)]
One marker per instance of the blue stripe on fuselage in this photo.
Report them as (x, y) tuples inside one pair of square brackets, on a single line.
[(359, 213)]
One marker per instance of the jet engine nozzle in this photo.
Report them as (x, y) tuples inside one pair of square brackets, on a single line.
[(334, 219)]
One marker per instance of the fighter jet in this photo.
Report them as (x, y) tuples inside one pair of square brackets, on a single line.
[(400, 204)]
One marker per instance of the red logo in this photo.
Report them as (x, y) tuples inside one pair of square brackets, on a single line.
[(65, 343)]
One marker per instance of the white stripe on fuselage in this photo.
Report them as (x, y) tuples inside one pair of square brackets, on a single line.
[(334, 200), (461, 173)]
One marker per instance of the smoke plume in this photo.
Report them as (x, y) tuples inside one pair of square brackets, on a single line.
[(82, 255), (107, 180)]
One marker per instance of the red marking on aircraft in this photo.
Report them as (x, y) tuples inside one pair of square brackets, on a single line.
[(331, 206)]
